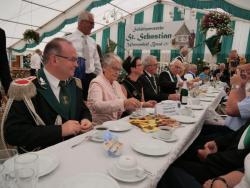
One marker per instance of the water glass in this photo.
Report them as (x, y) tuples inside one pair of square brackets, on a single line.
[(25, 178), (1, 176), (7, 170), (28, 161)]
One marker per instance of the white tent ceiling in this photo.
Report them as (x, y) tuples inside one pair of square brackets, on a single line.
[(18, 15)]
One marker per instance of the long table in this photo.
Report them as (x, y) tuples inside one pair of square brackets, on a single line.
[(91, 156)]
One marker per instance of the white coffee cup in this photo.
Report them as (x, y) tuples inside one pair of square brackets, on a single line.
[(195, 101), (127, 166), (165, 133), (100, 132)]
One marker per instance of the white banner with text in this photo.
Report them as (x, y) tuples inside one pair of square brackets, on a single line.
[(162, 35)]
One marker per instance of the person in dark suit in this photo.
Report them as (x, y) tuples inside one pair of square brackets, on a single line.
[(168, 79), (215, 158), (59, 110), (150, 82), (5, 76)]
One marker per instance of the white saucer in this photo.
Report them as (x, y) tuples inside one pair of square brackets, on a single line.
[(196, 107), (118, 126), (151, 147), (211, 95), (130, 179), (46, 164), (184, 119), (96, 139), (206, 99), (213, 91), (173, 138)]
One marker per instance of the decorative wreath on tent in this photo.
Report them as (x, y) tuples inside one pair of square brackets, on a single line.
[(31, 36), (217, 20)]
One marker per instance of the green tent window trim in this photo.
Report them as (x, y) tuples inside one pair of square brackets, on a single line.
[(230, 8)]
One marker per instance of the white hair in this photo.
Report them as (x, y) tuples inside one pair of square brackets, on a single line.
[(85, 15), (109, 58), (174, 61), (146, 61)]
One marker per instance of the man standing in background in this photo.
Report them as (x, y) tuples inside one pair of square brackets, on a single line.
[(86, 49), (183, 54), (35, 62)]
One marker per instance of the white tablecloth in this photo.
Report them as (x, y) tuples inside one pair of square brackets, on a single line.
[(91, 156)]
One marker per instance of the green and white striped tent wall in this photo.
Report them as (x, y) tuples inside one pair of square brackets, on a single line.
[(161, 13)]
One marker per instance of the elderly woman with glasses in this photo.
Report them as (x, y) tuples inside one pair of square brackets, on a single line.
[(106, 99), (131, 85)]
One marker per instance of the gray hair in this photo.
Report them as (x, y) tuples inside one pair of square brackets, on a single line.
[(85, 15), (53, 47), (174, 61), (192, 66), (109, 58), (146, 61)]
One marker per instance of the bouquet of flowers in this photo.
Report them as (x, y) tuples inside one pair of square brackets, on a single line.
[(217, 20), (30, 35)]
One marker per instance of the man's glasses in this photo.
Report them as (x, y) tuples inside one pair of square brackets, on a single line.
[(72, 59), (177, 67), (153, 65)]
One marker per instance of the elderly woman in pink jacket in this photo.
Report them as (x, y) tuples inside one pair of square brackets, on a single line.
[(106, 99)]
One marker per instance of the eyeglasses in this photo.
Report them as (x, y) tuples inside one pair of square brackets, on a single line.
[(177, 67), (72, 59), (116, 69), (153, 65)]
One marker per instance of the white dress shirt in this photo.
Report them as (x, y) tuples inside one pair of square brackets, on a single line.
[(54, 83), (86, 47), (35, 61)]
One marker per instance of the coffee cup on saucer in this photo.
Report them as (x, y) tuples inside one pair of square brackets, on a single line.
[(165, 133), (127, 166), (100, 132)]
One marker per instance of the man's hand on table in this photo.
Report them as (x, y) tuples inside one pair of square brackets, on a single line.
[(71, 127), (86, 125)]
